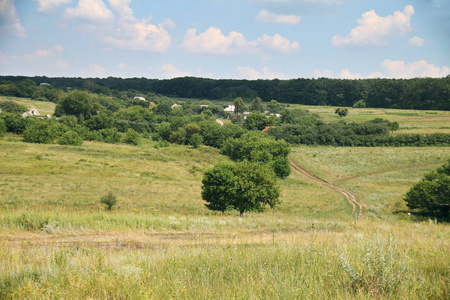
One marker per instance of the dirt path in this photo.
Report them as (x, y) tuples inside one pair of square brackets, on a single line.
[(349, 196)]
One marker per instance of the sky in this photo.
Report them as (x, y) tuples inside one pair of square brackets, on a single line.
[(238, 39)]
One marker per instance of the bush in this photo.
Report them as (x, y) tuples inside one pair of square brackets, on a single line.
[(378, 273), (42, 132), (2, 128), (110, 136), (132, 137), (109, 200), (70, 138), (196, 140)]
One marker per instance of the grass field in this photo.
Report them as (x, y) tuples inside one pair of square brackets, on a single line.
[(160, 242)]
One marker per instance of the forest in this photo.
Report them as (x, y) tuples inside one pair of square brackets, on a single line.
[(415, 93)]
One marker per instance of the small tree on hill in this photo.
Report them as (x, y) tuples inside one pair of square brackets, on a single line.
[(432, 193), (342, 112), (109, 200), (244, 187)]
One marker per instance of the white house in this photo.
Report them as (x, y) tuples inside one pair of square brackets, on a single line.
[(203, 105), (32, 113), (175, 105), (219, 122), (230, 109), (140, 98)]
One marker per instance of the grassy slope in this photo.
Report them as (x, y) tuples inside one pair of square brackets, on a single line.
[(43, 107), (55, 241)]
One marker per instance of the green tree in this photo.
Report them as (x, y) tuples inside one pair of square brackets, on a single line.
[(255, 121), (77, 103), (257, 105), (70, 138), (432, 193), (244, 187), (26, 88), (109, 200), (239, 105), (342, 112), (274, 106)]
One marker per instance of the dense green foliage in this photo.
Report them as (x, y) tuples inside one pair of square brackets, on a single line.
[(432, 193), (416, 93), (245, 186), (301, 127), (70, 138), (12, 107)]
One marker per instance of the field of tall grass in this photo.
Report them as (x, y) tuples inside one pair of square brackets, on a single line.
[(160, 242)]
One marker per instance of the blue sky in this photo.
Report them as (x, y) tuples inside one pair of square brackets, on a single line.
[(242, 39)]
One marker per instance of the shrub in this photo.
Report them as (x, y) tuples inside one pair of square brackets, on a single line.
[(70, 138), (196, 140), (132, 137), (2, 128), (42, 132), (109, 200), (378, 272)]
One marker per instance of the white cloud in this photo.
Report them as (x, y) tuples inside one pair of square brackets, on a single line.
[(93, 71), (250, 73), (416, 41), (122, 66), (50, 5), (267, 17), (169, 24), (375, 30), (400, 69), (346, 74), (169, 71), (92, 10), (119, 28), (278, 43), (9, 21), (325, 73), (212, 41), (43, 54)]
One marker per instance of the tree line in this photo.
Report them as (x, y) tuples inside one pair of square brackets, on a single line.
[(416, 93)]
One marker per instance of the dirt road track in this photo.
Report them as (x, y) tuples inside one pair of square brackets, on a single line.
[(349, 196)]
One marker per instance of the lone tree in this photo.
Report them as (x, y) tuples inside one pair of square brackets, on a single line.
[(245, 186), (342, 112), (432, 193)]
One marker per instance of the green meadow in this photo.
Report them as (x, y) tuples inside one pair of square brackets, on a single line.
[(161, 242)]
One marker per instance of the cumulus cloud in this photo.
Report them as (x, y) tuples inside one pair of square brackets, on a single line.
[(420, 68), (119, 28), (213, 41), (346, 74), (267, 17), (416, 41), (169, 71), (250, 73), (326, 73), (91, 10), (375, 30), (43, 54), (50, 5), (9, 20), (93, 71)]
